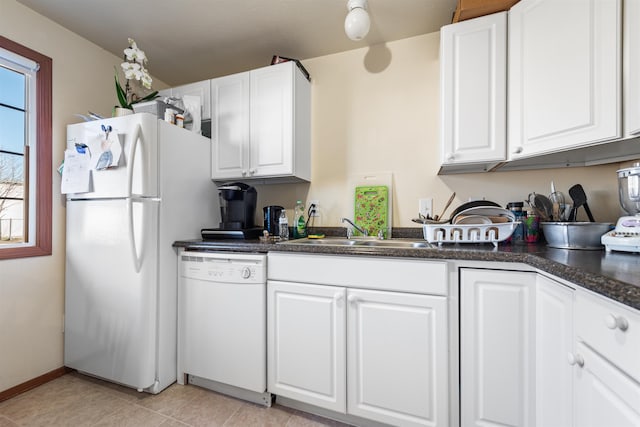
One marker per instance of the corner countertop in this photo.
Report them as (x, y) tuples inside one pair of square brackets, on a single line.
[(615, 275)]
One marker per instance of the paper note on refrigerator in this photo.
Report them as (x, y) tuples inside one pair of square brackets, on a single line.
[(110, 152), (76, 173)]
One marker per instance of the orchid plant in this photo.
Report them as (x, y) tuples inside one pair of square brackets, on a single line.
[(134, 70)]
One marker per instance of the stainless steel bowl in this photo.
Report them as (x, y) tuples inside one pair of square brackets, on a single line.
[(575, 235)]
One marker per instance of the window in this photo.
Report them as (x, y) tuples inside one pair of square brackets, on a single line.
[(25, 151)]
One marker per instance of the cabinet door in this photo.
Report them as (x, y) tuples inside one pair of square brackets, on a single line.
[(230, 126), (397, 367), (164, 93), (272, 120), (200, 89), (604, 396), (306, 343), (631, 63), (497, 338), (564, 74), (473, 57), (554, 342)]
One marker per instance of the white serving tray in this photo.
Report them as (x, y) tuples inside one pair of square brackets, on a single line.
[(469, 233)]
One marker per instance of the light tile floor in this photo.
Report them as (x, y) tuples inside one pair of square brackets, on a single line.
[(76, 400)]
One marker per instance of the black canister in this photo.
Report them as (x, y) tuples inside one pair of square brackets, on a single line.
[(271, 218)]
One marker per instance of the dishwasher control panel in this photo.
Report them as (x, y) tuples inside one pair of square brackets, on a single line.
[(224, 267)]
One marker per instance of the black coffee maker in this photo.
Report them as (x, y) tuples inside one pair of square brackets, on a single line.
[(237, 213)]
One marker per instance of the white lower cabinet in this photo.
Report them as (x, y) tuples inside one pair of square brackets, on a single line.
[(554, 342), (497, 339), (368, 353), (306, 343), (604, 395), (396, 357), (605, 363), (534, 352)]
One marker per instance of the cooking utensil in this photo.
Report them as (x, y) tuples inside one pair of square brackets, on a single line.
[(580, 199), (541, 205), (446, 206), (557, 201), (424, 220)]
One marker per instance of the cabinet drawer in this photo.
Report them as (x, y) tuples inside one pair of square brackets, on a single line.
[(391, 274), (611, 330)]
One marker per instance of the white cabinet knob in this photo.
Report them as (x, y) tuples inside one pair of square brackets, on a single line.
[(338, 297), (575, 359), (244, 173), (517, 150), (614, 322), (252, 171), (353, 300), (451, 157)]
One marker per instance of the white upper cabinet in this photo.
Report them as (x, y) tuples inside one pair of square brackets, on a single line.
[(230, 126), (473, 95), (261, 124), (564, 75), (631, 61), (200, 89)]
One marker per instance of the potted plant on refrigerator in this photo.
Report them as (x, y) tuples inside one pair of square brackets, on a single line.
[(137, 78)]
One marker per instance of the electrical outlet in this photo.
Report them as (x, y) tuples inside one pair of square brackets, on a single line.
[(315, 211), (425, 207)]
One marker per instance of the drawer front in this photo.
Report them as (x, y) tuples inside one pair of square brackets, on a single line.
[(611, 330), (391, 274)]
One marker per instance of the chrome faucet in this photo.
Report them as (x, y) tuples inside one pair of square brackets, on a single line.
[(362, 230)]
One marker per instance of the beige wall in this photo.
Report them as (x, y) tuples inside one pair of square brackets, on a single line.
[(374, 110)]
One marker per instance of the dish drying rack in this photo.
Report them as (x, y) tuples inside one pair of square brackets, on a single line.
[(469, 233)]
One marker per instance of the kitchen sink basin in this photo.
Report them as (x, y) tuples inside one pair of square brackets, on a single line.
[(391, 243), (360, 242)]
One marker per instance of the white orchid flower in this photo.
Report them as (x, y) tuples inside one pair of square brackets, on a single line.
[(146, 80), (134, 54), (133, 69)]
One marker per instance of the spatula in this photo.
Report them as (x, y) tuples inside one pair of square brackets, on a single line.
[(580, 199)]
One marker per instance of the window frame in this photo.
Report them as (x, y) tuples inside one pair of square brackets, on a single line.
[(41, 245)]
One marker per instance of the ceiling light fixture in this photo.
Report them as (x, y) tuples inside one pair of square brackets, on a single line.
[(357, 23)]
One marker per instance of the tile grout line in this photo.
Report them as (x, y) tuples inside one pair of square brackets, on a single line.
[(166, 417), (231, 416)]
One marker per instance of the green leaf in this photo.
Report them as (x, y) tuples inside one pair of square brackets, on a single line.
[(152, 95), (122, 96)]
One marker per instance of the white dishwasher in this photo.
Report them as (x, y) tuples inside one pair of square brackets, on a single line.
[(222, 323)]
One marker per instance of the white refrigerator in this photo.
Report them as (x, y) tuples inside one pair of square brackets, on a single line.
[(121, 268)]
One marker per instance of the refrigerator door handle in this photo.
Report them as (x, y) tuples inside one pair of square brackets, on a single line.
[(134, 147), (137, 259)]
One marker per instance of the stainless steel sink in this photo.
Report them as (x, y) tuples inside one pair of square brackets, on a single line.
[(392, 243), (360, 242), (327, 241)]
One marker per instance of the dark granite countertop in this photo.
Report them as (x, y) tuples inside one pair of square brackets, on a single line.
[(615, 275)]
